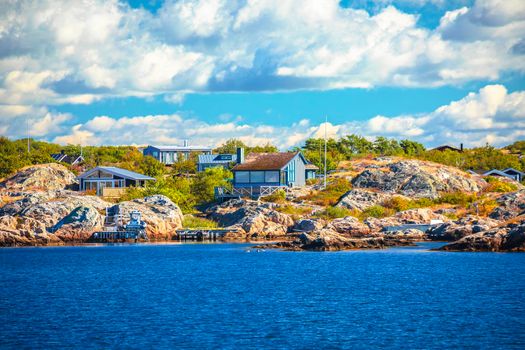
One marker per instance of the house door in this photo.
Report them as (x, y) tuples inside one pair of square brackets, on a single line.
[(100, 188)]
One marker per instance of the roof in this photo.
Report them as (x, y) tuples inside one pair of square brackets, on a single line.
[(62, 157), (310, 166), (266, 161), (444, 147), (126, 174), (514, 170), (181, 148), (217, 158), (496, 172)]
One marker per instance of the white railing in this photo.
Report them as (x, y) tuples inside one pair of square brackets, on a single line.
[(269, 190)]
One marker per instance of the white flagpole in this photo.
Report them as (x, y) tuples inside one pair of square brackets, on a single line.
[(325, 122)]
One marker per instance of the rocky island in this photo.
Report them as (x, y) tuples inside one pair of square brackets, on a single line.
[(39, 206)]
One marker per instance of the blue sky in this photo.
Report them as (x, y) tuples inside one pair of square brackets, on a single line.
[(158, 72)]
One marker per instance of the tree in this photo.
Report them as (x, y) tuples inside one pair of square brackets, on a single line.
[(355, 144), (411, 148), (203, 187), (152, 167), (230, 146)]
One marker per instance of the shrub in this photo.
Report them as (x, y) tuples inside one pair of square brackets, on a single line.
[(401, 204), (496, 185), (483, 207), (376, 211), (456, 198), (191, 221), (331, 194), (278, 196), (333, 213), (311, 181)]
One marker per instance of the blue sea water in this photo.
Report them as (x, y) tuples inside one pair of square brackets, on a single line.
[(222, 296)]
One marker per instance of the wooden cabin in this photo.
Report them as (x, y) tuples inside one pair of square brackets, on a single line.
[(269, 169), (104, 179), (311, 171)]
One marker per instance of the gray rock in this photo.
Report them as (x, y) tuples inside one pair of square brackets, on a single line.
[(416, 178)]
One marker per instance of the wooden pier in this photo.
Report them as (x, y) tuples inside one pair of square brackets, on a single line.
[(201, 234), (117, 236)]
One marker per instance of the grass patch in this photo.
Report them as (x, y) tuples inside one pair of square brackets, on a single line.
[(191, 221)]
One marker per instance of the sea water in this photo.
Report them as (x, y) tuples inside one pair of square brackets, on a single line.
[(230, 296)]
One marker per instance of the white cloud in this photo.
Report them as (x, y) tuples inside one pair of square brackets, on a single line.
[(490, 115), (52, 52)]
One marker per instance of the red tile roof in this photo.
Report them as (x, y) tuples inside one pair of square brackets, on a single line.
[(266, 161)]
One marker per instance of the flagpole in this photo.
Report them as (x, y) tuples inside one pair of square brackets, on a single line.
[(28, 144), (325, 122)]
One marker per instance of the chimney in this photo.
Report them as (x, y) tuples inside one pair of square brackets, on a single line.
[(240, 155), (461, 147), (62, 152), (185, 143)]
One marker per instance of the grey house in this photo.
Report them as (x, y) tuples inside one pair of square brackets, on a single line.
[(269, 169), (107, 177), (62, 157), (172, 154), (214, 160), (511, 173)]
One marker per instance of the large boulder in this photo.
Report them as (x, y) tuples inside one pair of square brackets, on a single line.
[(326, 239), (510, 238), (251, 219), (509, 206), (161, 215), (468, 225), (419, 216), (415, 178), (79, 225), (361, 199), (308, 225), (349, 226), (41, 177)]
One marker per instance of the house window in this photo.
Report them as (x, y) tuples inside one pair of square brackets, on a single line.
[(155, 154), (291, 171), (257, 176), (271, 176), (242, 177)]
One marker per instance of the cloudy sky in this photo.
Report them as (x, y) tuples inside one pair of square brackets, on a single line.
[(158, 72)]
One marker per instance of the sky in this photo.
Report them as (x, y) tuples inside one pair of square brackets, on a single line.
[(158, 72)]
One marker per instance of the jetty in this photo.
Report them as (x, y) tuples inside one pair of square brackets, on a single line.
[(115, 230), (201, 234)]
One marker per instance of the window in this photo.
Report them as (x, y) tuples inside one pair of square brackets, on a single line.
[(271, 176), (291, 171), (242, 177), (155, 154), (257, 176)]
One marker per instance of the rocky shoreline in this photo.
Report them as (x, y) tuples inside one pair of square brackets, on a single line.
[(38, 207)]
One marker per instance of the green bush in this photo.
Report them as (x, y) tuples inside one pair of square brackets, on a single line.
[(496, 185), (278, 196), (191, 221), (333, 213), (376, 211), (329, 196), (456, 198)]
